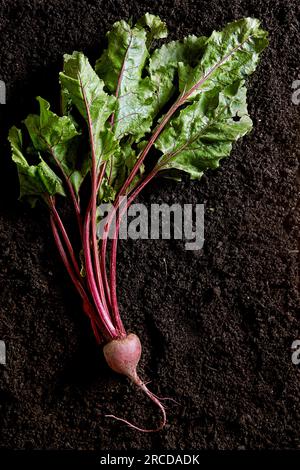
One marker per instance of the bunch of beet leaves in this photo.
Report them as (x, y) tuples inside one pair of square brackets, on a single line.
[(187, 99)]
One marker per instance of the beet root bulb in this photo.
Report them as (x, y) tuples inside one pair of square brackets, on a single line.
[(123, 355)]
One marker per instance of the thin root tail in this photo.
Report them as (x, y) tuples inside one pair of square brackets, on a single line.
[(155, 400)]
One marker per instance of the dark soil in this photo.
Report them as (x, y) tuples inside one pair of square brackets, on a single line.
[(216, 325)]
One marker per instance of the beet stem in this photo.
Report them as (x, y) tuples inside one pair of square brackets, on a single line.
[(114, 246)]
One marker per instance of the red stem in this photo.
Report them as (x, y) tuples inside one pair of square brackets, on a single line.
[(103, 264), (114, 246), (145, 152), (104, 315), (100, 284), (93, 209), (63, 231), (91, 219), (88, 308), (127, 183), (71, 191)]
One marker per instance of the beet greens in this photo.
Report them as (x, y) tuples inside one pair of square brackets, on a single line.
[(186, 99)]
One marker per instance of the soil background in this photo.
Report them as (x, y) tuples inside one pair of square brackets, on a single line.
[(216, 325)]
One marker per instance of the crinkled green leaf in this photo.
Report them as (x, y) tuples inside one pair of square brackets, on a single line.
[(121, 66), (229, 55), (118, 168), (140, 99), (123, 63), (163, 65), (204, 132), (49, 131), (110, 150), (198, 82), (58, 137), (85, 90), (107, 193), (155, 28), (36, 181), (123, 167)]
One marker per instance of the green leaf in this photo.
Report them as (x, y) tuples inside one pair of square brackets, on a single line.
[(118, 168), (204, 132), (155, 28), (107, 193), (197, 82), (229, 55), (163, 65), (121, 66), (58, 137), (49, 130), (127, 160), (126, 52), (123, 63), (36, 181), (85, 90)]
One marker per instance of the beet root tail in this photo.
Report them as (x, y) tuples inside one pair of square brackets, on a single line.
[(123, 355), (155, 400)]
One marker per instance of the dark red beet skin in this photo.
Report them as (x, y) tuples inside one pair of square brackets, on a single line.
[(123, 355)]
